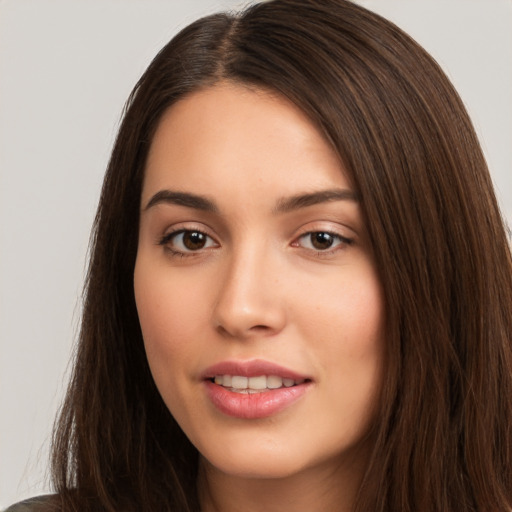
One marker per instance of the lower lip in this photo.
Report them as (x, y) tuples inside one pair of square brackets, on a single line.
[(255, 405)]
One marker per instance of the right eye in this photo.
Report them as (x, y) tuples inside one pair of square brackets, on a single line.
[(186, 241)]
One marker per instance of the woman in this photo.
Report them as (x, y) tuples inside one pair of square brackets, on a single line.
[(300, 288)]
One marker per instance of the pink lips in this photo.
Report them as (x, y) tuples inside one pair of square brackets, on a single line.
[(258, 405)]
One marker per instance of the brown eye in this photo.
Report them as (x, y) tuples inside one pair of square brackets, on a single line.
[(187, 241), (321, 241), (194, 240)]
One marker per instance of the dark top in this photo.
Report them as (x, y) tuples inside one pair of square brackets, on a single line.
[(36, 504)]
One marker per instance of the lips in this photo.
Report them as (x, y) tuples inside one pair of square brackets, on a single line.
[(242, 384), (253, 389)]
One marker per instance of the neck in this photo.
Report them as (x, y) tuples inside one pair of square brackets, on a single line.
[(324, 488)]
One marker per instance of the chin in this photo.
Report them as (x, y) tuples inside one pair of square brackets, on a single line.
[(258, 468), (271, 458)]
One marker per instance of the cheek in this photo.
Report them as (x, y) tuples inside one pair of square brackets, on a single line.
[(172, 316), (347, 327), (347, 310), (168, 316)]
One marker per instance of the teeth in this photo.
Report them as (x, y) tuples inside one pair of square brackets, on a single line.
[(239, 382), (274, 382), (258, 382), (254, 384)]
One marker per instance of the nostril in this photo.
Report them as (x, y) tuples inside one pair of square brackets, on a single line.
[(259, 328), (234, 332)]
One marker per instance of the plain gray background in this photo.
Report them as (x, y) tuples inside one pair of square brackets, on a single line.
[(66, 68)]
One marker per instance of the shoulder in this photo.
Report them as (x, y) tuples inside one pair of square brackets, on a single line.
[(37, 504)]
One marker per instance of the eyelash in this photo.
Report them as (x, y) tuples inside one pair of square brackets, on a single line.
[(167, 238), (343, 242)]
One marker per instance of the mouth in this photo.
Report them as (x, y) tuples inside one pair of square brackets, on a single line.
[(253, 389), (257, 384)]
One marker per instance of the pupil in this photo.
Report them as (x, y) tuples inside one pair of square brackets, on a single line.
[(321, 240), (194, 240)]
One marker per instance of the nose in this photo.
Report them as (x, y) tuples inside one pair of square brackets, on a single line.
[(250, 299)]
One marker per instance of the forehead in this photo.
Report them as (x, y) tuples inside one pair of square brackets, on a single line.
[(233, 139)]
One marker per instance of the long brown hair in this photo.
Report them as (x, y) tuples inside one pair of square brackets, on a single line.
[(444, 427)]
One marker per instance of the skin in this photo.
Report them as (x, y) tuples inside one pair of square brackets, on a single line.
[(259, 289)]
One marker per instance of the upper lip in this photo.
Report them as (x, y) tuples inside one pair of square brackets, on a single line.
[(251, 368)]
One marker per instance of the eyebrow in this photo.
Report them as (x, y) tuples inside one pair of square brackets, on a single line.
[(283, 205), (299, 201), (183, 199)]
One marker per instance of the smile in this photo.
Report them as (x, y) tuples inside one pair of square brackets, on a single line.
[(253, 389), (258, 384)]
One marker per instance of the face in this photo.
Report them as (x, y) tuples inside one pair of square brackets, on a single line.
[(257, 295)]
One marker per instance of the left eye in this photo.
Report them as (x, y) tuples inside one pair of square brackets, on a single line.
[(189, 240), (321, 240)]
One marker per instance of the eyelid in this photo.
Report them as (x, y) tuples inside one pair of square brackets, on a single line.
[(172, 234), (342, 238), (338, 232), (176, 230), (327, 226), (178, 227)]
